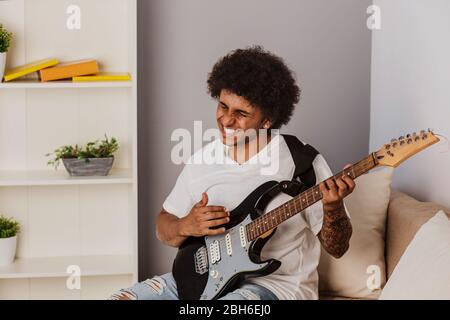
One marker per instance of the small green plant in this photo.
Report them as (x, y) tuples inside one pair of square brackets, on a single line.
[(94, 149), (5, 39), (8, 227)]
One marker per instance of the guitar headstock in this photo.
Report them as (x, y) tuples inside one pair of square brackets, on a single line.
[(398, 150)]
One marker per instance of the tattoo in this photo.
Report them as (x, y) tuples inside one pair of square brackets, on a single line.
[(336, 232)]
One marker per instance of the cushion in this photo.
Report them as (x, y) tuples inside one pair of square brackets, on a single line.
[(408, 215), (423, 271), (360, 272)]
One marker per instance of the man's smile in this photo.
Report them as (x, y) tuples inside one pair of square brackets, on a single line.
[(229, 132)]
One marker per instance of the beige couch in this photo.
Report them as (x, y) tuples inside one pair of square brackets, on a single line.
[(405, 216)]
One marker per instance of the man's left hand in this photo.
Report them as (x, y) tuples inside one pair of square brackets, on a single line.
[(334, 191)]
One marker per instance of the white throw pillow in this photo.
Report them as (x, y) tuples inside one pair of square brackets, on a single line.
[(423, 271), (360, 272)]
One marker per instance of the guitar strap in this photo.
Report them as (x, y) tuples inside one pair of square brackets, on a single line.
[(303, 155)]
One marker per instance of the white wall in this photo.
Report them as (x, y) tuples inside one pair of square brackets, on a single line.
[(325, 42), (411, 89)]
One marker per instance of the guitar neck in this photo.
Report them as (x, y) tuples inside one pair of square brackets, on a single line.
[(302, 201)]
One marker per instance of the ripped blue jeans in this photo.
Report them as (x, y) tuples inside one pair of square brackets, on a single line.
[(164, 288)]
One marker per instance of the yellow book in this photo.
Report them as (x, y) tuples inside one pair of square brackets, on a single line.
[(69, 69), (29, 68), (103, 76)]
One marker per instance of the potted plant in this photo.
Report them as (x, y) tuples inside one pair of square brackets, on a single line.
[(5, 42), (94, 159), (9, 228)]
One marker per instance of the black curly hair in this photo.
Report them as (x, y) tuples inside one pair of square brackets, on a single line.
[(260, 77)]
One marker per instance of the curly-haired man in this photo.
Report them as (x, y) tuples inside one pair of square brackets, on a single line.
[(255, 90)]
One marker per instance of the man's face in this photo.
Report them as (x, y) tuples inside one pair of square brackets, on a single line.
[(235, 116)]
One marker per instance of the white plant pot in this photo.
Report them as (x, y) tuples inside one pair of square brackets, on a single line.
[(7, 250), (2, 65)]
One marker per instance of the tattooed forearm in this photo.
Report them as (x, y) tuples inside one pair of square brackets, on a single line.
[(336, 232)]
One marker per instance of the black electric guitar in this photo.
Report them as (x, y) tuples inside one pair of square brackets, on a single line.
[(209, 267)]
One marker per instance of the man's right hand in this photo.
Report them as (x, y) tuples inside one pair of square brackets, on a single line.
[(201, 218)]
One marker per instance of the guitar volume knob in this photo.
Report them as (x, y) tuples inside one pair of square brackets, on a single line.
[(214, 273)]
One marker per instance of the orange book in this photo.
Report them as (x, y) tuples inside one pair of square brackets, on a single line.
[(69, 70)]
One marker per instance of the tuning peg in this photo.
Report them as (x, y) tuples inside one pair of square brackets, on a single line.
[(387, 146), (422, 132), (409, 141), (416, 138), (393, 140), (408, 135), (424, 136), (401, 138)]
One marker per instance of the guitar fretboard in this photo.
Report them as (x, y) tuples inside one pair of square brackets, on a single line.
[(273, 218)]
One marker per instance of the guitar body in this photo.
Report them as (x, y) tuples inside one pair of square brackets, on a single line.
[(208, 267)]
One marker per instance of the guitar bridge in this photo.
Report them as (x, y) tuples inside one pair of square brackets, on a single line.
[(201, 260)]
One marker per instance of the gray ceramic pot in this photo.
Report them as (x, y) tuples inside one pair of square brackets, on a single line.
[(88, 167)]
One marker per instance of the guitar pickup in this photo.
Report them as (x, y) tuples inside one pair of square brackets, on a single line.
[(242, 236), (214, 251), (228, 244)]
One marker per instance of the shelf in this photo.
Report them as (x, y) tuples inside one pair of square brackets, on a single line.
[(35, 84), (61, 177), (51, 267)]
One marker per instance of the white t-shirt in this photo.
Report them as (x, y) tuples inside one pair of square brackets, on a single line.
[(227, 183)]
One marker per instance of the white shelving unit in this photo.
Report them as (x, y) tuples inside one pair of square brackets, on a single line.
[(90, 222)]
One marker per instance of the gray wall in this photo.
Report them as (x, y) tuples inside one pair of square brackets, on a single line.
[(410, 90), (325, 42)]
